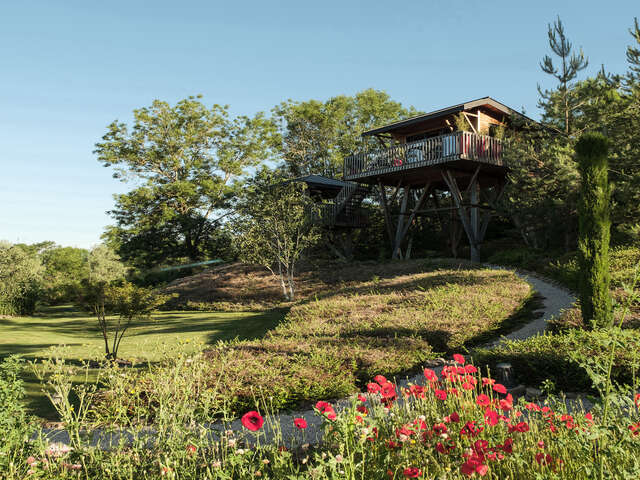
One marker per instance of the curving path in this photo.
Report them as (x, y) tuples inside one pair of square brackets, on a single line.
[(280, 427)]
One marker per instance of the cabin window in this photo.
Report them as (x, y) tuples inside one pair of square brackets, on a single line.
[(422, 136)]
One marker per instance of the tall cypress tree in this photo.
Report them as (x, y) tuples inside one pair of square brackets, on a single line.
[(594, 223)]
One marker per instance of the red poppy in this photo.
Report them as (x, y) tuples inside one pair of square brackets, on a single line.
[(498, 387), (388, 391), (412, 472), (637, 400), (430, 375), (506, 404), (324, 407), (507, 446), (300, 423), (440, 428), (380, 379), (635, 429), (362, 409), (467, 386), (483, 400), (252, 421), (454, 417), (440, 394), (521, 427), (458, 358), (191, 449), (491, 417), (331, 416), (543, 459), (470, 369), (373, 388), (487, 381), (362, 398)]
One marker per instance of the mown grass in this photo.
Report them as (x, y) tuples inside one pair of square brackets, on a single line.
[(33, 337), (387, 319)]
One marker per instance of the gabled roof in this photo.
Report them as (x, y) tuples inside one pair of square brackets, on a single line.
[(443, 112)]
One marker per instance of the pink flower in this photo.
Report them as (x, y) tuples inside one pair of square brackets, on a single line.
[(252, 421), (300, 423)]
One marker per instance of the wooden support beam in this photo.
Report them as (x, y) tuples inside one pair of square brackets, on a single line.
[(412, 216), (387, 216), (474, 218), (397, 254), (395, 192)]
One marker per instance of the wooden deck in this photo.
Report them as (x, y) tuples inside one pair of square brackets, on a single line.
[(409, 161)]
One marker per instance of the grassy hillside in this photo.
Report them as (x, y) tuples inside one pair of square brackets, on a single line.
[(373, 319)]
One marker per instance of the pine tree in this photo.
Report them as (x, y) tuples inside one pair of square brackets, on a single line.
[(561, 106), (594, 225)]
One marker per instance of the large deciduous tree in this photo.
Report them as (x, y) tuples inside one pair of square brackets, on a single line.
[(184, 160), (317, 135)]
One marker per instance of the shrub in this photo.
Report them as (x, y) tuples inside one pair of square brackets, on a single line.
[(20, 280), (551, 356)]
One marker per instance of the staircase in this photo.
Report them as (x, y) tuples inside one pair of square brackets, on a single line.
[(346, 209)]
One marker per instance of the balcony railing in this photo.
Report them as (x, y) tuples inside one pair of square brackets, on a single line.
[(431, 151), (330, 214)]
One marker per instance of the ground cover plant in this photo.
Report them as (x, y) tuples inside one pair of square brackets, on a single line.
[(457, 424), (330, 344)]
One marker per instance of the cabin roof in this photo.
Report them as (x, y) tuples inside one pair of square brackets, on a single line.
[(320, 181), (443, 112)]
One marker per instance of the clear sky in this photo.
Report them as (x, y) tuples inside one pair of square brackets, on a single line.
[(69, 68)]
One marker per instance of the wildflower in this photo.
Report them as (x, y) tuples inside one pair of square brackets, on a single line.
[(362, 398), (483, 400), (388, 391), (541, 444), (589, 418), (412, 472), (339, 458), (331, 416), (471, 429), (635, 429), (470, 369), (458, 358), (487, 381), (507, 446), (430, 375), (300, 423), (454, 417), (543, 459), (440, 394), (521, 427), (252, 421), (57, 449), (498, 387), (324, 407), (637, 400), (31, 461), (191, 449), (380, 379), (467, 386), (373, 388), (266, 461), (216, 464), (506, 404), (440, 428), (491, 417)]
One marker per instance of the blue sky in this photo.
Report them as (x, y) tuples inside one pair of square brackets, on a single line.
[(69, 68)]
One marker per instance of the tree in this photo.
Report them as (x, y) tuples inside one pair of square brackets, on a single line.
[(559, 104), (594, 228), (275, 226), (317, 136), (103, 269), (64, 270), (633, 54), (131, 304), (21, 274), (185, 159)]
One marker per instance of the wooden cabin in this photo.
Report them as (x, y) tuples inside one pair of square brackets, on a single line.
[(452, 154)]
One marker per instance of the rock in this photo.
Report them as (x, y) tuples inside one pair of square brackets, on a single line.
[(517, 391), (532, 393)]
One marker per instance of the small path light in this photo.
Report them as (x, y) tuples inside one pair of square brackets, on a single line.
[(504, 374)]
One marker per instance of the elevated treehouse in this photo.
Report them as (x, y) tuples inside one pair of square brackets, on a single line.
[(450, 158)]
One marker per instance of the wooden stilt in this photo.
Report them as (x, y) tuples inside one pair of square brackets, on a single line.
[(403, 234), (397, 253), (387, 216)]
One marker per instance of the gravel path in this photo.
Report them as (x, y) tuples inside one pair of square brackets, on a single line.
[(555, 299)]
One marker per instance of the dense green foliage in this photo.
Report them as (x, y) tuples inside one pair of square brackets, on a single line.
[(21, 279), (317, 136), (185, 158), (594, 230)]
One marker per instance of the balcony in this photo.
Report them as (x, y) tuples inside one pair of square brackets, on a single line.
[(433, 151)]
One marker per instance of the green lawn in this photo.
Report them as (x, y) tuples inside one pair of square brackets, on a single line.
[(63, 326)]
